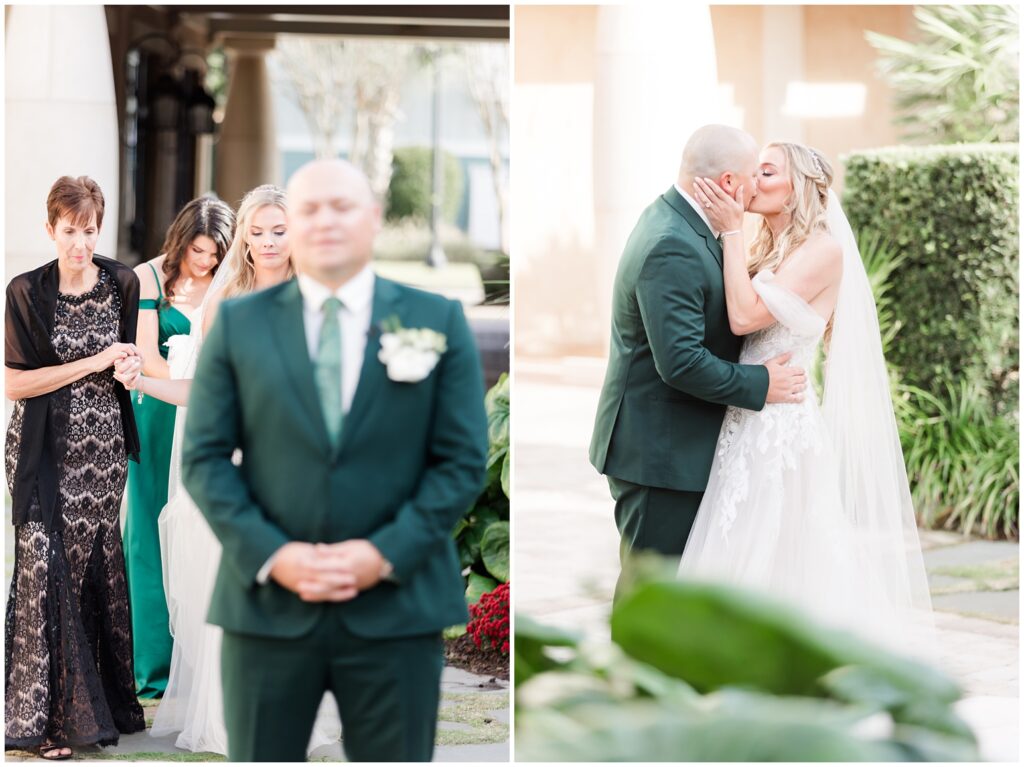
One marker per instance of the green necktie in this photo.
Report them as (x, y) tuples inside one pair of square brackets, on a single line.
[(328, 369)]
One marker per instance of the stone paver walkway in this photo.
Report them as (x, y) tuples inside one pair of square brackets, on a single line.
[(473, 727), (566, 551)]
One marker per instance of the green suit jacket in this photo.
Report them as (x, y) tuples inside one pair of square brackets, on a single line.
[(410, 462), (672, 368)]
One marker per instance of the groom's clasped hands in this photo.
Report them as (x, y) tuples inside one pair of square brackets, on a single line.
[(328, 572)]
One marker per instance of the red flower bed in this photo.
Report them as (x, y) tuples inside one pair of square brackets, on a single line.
[(488, 620)]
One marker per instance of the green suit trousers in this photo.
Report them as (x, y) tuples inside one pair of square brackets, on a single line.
[(388, 692), (652, 519)]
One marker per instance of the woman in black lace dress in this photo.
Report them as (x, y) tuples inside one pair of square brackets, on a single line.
[(69, 644)]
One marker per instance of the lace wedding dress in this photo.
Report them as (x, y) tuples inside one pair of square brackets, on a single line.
[(811, 503), (192, 704)]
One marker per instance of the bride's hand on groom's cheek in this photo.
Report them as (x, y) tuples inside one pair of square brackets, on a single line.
[(724, 211)]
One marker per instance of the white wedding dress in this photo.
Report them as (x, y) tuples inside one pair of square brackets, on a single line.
[(192, 704), (810, 503)]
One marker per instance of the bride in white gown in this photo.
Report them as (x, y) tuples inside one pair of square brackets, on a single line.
[(810, 503), (192, 704)]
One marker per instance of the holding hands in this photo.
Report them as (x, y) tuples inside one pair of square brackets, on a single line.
[(128, 368), (114, 354)]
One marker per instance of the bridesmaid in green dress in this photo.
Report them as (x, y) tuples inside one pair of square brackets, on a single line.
[(172, 287)]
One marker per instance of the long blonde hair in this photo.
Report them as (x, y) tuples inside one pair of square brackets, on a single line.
[(239, 256), (811, 176)]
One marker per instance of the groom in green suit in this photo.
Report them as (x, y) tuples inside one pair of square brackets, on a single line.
[(673, 364), (362, 445)]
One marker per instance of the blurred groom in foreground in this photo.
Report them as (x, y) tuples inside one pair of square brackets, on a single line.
[(362, 445)]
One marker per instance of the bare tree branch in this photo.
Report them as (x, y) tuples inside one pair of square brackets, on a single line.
[(320, 71), (487, 75)]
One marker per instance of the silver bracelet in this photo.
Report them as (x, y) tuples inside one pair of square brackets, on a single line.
[(138, 390), (731, 231)]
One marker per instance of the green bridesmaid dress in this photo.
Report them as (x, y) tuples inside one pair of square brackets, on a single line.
[(147, 495)]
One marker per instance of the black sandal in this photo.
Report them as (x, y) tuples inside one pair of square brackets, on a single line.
[(52, 753)]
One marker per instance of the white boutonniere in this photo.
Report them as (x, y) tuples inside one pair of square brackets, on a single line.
[(410, 353)]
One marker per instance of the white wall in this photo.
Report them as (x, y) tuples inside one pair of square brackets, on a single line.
[(60, 119)]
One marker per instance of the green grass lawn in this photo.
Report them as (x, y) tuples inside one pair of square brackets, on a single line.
[(988, 576)]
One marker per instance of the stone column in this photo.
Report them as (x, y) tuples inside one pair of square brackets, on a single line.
[(61, 119), (246, 151), (656, 82), (204, 164), (161, 185), (781, 65)]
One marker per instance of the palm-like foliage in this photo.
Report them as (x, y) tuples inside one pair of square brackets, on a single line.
[(962, 460), (960, 82), (880, 263)]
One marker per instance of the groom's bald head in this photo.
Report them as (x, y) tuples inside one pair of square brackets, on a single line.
[(333, 219), (723, 153)]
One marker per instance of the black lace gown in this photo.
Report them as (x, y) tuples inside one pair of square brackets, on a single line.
[(68, 641)]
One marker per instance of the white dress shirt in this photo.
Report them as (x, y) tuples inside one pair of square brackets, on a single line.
[(697, 207), (356, 297)]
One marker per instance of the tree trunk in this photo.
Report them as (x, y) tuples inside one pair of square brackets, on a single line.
[(381, 140)]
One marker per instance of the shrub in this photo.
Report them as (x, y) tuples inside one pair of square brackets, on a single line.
[(962, 461), (482, 535), (879, 263), (409, 192), (951, 346), (951, 214), (497, 279), (409, 240), (488, 622)]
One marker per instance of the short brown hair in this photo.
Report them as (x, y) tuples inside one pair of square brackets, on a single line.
[(77, 198)]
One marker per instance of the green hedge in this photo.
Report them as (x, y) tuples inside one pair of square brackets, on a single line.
[(409, 192), (938, 231), (951, 213)]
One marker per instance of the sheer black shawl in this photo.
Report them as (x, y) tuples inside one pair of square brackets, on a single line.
[(28, 323)]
